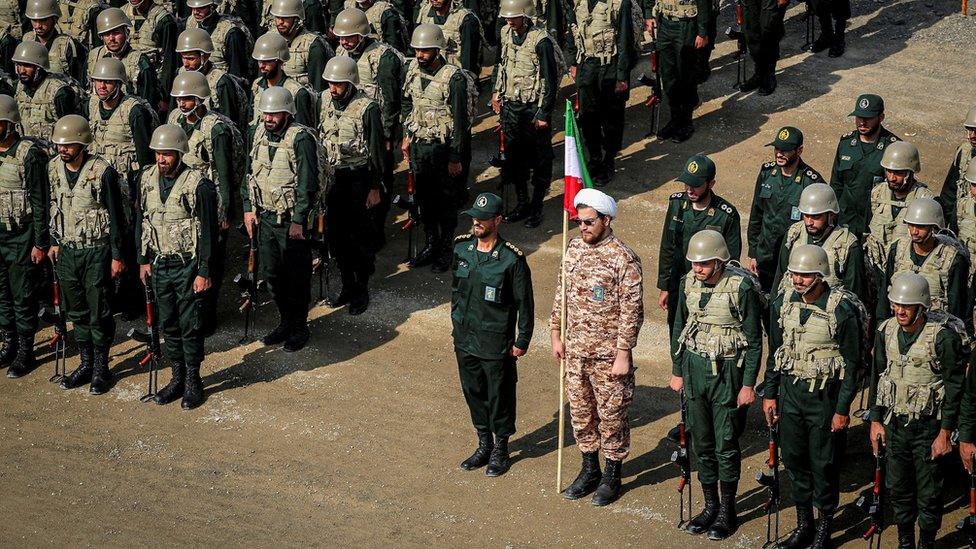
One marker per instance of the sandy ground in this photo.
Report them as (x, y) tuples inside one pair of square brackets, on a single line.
[(355, 440)]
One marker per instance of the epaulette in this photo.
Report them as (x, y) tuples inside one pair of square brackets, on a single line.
[(849, 134), (461, 237), (767, 165), (677, 196), (894, 138), (514, 248), (812, 175)]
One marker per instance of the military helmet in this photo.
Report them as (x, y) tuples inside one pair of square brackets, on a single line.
[(427, 36), (970, 119), (818, 198), (71, 129), (910, 289), (29, 52), (10, 112), (516, 8), (970, 175), (110, 19), (276, 99), (809, 259), (350, 22), (200, 3), (288, 8), (924, 211), (271, 46), (169, 137), (42, 9), (194, 40), (109, 68), (341, 69), (191, 84), (706, 245), (901, 155)]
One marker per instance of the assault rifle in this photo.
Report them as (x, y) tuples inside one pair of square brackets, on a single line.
[(320, 265), (55, 316), (770, 479), (653, 81), (874, 507), (682, 458), (408, 203), (248, 281), (734, 32), (968, 523), (149, 338)]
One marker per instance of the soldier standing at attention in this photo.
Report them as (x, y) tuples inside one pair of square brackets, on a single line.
[(763, 31), (965, 216), (386, 23), (309, 52), (154, 31), (231, 38), (228, 96), (114, 29), (66, 55), (492, 316), (42, 97), (462, 33), (833, 16), (604, 314), (271, 53), (954, 188)]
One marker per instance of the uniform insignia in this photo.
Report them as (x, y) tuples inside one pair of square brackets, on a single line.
[(844, 157), (849, 134), (462, 264), (795, 214), (494, 254), (490, 292), (726, 208), (774, 171), (711, 212), (598, 292), (481, 202), (784, 134), (797, 179), (676, 196), (461, 237), (881, 146), (470, 247), (768, 164), (693, 167), (864, 103), (514, 248), (893, 139)]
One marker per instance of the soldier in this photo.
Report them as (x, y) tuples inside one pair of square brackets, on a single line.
[(813, 370), (763, 31), (114, 28), (462, 33), (386, 23), (308, 51), (228, 95), (154, 31), (604, 313), (42, 97), (603, 52), (682, 34), (11, 31), (438, 141), (858, 162), (965, 216), (231, 39), (176, 227), (24, 238), (492, 297), (526, 85), (833, 16), (271, 53), (954, 188), (775, 203), (86, 226), (65, 55), (697, 208), (278, 200), (716, 349), (316, 15), (920, 361), (78, 21), (352, 134)]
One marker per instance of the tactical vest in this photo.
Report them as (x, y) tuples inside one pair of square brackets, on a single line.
[(451, 29), (172, 227), (935, 267), (885, 226), (59, 50), (201, 152), (680, 9), (343, 133), (430, 118), (272, 183), (143, 28), (595, 33), (519, 78), (213, 102), (10, 19), (78, 215), (15, 206), (225, 23), (369, 68), (810, 351), (289, 83), (715, 330), (965, 152), (37, 111), (837, 245), (76, 20), (966, 219), (375, 15), (298, 49), (130, 61)]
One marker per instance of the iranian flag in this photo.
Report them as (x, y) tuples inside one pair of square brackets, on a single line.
[(576, 177)]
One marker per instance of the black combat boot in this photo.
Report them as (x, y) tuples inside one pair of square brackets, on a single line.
[(704, 520), (802, 535), (683, 133), (24, 361), (609, 489), (667, 132), (926, 539), (607, 170), (481, 454), (174, 389), (821, 540), (193, 390), (588, 477), (360, 299), (521, 209), (9, 349), (838, 46), (101, 380), (752, 83), (298, 337), (83, 373), (280, 333), (906, 536), (823, 41), (499, 463), (445, 253), (347, 293), (769, 85), (726, 522), (429, 252)]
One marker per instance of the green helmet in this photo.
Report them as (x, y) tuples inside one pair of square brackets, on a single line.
[(350, 22), (706, 245), (169, 137), (191, 84), (11, 113), (910, 289), (970, 175), (109, 68), (924, 211), (276, 99), (71, 129), (341, 69), (809, 259), (42, 9), (200, 3), (970, 119), (427, 36), (818, 198), (288, 8), (271, 46), (901, 155), (516, 8), (194, 40), (110, 19), (29, 52)]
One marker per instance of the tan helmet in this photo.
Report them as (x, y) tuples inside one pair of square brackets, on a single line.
[(110, 19), (109, 68), (194, 40), (516, 8), (427, 36), (350, 22), (924, 211), (341, 69), (809, 259), (11, 113), (901, 155), (191, 84), (42, 9), (71, 129), (29, 52), (288, 8), (818, 198), (169, 137), (276, 99), (200, 3), (706, 245), (970, 175), (970, 119), (910, 289), (271, 46)]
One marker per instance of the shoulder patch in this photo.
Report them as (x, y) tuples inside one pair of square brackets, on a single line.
[(848, 134), (461, 237), (726, 208), (769, 165), (677, 196), (514, 248)]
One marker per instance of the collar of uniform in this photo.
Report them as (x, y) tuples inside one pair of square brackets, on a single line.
[(820, 302), (492, 253)]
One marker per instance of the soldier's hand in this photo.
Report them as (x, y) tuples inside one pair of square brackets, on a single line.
[(701, 42), (296, 231), (677, 383), (454, 169), (839, 423), (405, 148), (966, 451), (373, 198), (516, 352), (145, 271), (649, 25), (496, 103), (621, 364), (621, 86), (250, 220), (558, 349), (572, 72), (942, 444), (224, 226), (540, 124), (782, 3), (52, 253), (877, 430), (754, 266), (201, 284), (770, 411), (747, 395), (662, 300), (118, 267), (37, 255)]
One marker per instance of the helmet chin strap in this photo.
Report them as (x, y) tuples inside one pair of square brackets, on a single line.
[(806, 290)]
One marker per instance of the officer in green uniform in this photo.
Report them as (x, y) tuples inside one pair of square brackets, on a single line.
[(763, 31), (920, 360), (352, 134), (526, 84), (858, 162), (154, 31), (281, 192), (231, 38), (491, 298), (65, 54), (775, 204), (24, 238), (271, 53), (309, 52), (387, 24), (716, 347), (437, 143), (954, 188), (176, 228), (114, 29), (462, 33), (693, 210), (811, 394), (86, 226), (228, 94), (42, 97)]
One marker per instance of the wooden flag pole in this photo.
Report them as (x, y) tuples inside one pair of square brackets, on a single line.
[(562, 361)]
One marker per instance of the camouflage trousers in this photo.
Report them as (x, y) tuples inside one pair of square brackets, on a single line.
[(598, 405)]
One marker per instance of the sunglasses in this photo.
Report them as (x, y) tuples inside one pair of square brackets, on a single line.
[(588, 222)]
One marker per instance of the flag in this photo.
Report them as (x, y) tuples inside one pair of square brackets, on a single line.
[(576, 177)]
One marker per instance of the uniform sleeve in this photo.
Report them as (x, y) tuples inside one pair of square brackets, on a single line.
[(306, 113), (967, 409), (65, 101), (680, 317), (147, 83), (236, 54), (39, 194), (878, 366), (165, 38), (849, 338), (76, 61), (141, 123), (524, 302), (771, 391), (631, 304), (570, 48), (316, 18), (223, 152), (470, 44), (462, 124), (391, 31), (137, 217), (390, 80), (755, 219), (666, 255), (406, 102), (882, 310), (958, 291), (948, 195), (953, 357), (626, 54), (733, 235), (781, 267), (854, 275), (112, 200), (228, 97), (835, 181), (555, 317), (376, 144), (704, 15), (555, 20), (550, 78), (206, 197), (307, 169), (319, 54), (751, 313)]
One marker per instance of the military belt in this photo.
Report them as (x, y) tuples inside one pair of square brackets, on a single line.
[(83, 245)]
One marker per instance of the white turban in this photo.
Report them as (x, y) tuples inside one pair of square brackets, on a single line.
[(598, 200)]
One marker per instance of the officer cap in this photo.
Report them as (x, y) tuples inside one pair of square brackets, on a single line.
[(71, 129), (194, 40), (598, 200), (9, 110), (110, 19), (970, 119), (868, 105), (29, 52), (970, 174), (809, 259), (288, 8), (787, 139), (486, 206), (109, 68), (42, 9), (426, 36), (910, 289), (699, 170), (200, 3), (901, 155), (818, 198), (516, 8), (271, 46), (706, 245), (169, 137), (341, 69), (191, 84), (276, 99), (351, 21), (924, 211)]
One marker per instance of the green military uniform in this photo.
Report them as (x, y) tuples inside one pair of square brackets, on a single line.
[(142, 81), (66, 55), (946, 268), (763, 32), (232, 43), (704, 69), (462, 29), (386, 22), (844, 253), (42, 105), (885, 219), (154, 33), (955, 188), (121, 136), (78, 21), (316, 16), (305, 100), (309, 52), (11, 31), (228, 95)]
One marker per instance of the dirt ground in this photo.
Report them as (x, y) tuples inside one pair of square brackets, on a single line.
[(355, 440)]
